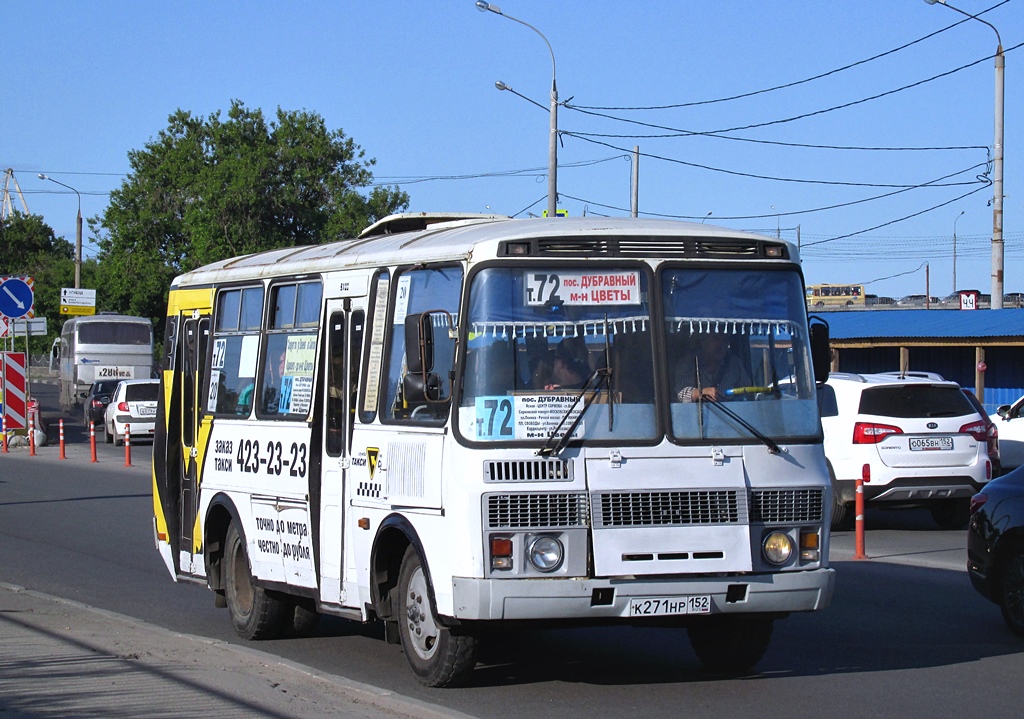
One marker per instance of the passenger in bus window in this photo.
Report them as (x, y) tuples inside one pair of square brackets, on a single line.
[(570, 368), (273, 378), (542, 374), (719, 370)]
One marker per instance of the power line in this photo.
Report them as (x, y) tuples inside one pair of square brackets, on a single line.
[(754, 176), (525, 172), (899, 219), (797, 82), (794, 118)]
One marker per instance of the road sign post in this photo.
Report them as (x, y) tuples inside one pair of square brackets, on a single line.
[(17, 297)]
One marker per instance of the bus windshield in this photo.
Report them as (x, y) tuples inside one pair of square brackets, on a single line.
[(738, 355), (114, 333), (537, 336)]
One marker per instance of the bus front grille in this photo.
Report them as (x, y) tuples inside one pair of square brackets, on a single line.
[(787, 505), (674, 508), (527, 470), (536, 511), (667, 247)]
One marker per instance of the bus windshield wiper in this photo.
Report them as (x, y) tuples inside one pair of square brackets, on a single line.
[(767, 441), (593, 385)]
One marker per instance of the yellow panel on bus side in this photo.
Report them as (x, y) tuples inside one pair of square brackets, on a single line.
[(185, 300)]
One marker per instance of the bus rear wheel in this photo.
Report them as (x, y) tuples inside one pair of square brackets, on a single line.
[(255, 613), (730, 643), (436, 656)]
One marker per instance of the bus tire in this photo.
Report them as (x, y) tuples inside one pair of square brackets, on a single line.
[(730, 643), (436, 656), (304, 620), (255, 613)]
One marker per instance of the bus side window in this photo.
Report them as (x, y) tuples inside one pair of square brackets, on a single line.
[(289, 357), (237, 320), (434, 294)]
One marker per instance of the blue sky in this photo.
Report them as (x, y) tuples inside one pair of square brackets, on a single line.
[(413, 84)]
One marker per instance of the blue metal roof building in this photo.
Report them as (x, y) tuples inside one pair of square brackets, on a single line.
[(981, 349)]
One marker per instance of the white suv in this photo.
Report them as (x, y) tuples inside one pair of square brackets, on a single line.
[(920, 439)]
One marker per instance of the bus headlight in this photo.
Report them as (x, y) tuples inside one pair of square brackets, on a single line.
[(545, 553), (777, 547)]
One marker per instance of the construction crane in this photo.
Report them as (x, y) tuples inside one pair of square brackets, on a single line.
[(8, 203)]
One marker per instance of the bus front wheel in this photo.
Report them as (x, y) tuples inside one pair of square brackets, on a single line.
[(436, 656), (255, 613), (730, 643)]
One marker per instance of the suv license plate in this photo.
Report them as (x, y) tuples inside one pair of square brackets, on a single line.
[(930, 443), (669, 606)]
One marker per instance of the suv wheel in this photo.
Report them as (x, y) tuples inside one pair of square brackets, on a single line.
[(951, 513)]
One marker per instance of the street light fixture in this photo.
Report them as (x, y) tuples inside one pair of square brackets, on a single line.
[(997, 164), (954, 247), (553, 133), (78, 230)]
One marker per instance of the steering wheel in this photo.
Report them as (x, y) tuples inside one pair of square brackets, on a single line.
[(746, 392)]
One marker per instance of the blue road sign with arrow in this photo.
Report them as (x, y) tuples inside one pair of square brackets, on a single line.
[(16, 297)]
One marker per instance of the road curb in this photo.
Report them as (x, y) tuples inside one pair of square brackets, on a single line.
[(172, 664)]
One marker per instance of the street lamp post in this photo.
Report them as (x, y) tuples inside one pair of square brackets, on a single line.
[(78, 230), (954, 247), (553, 132), (997, 164)]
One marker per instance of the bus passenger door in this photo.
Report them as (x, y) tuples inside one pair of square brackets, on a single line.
[(343, 340), (192, 361)]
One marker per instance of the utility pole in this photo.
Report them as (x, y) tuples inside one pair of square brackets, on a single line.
[(7, 208), (635, 194)]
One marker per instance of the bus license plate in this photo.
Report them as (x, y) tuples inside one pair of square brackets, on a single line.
[(668, 606), (930, 443)]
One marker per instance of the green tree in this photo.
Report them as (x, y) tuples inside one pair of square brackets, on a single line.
[(29, 248), (210, 188)]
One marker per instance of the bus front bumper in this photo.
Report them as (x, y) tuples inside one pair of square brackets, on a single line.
[(610, 598)]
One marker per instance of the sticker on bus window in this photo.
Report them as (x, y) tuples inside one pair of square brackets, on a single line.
[(526, 416), (582, 288), (297, 381), (402, 298), (211, 402), (220, 351), (248, 356)]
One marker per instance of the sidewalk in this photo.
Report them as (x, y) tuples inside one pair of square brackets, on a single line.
[(60, 658)]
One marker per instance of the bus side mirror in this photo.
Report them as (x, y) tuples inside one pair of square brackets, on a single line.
[(55, 355), (821, 352), (419, 343)]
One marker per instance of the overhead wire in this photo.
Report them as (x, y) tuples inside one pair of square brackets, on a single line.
[(794, 118), (755, 176), (797, 82), (899, 219)]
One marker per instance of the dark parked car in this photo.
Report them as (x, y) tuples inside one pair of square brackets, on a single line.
[(995, 546), (1013, 299), (96, 401)]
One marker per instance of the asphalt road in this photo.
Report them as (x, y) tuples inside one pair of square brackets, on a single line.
[(906, 636)]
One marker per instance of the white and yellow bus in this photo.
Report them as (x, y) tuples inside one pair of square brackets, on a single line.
[(835, 296), (459, 423)]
